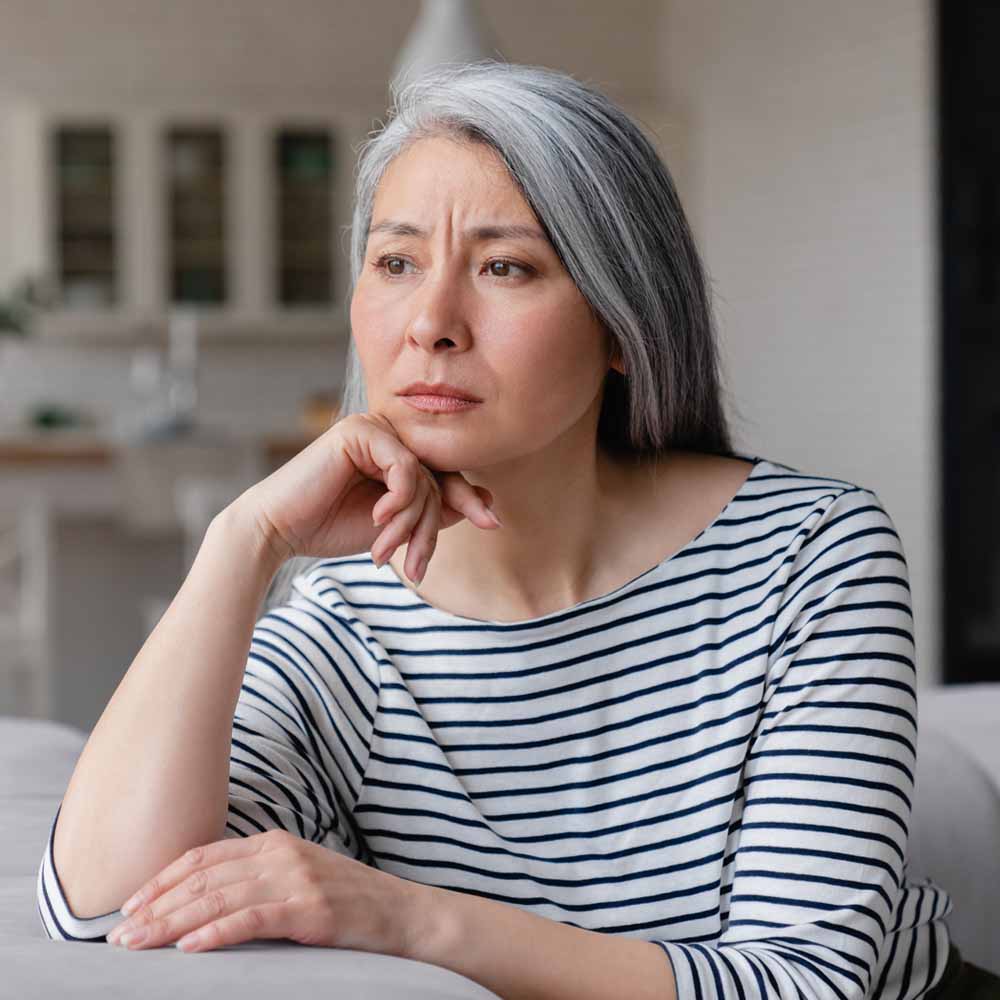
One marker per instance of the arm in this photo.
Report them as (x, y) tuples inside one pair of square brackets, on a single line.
[(300, 743), (523, 956), (156, 766), (828, 785)]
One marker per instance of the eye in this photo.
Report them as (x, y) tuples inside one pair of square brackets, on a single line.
[(393, 266), (504, 262), (383, 262)]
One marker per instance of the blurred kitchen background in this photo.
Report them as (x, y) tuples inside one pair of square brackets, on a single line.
[(175, 196)]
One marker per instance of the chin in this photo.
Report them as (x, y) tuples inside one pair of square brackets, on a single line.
[(439, 449), (448, 450)]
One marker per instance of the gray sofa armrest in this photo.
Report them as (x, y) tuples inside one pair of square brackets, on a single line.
[(955, 827), (954, 840), (36, 762)]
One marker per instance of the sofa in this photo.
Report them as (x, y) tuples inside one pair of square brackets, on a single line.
[(954, 840), (36, 762)]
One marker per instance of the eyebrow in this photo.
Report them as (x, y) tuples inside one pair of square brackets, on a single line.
[(477, 233)]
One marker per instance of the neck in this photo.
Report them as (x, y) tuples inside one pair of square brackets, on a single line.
[(562, 516)]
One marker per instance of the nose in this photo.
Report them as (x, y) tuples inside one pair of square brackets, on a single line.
[(438, 314)]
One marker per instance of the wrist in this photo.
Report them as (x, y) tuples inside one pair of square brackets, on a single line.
[(243, 523), (430, 924)]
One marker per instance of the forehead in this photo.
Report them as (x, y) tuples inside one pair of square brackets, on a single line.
[(442, 170)]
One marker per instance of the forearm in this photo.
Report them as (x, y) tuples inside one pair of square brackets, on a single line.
[(522, 956), (152, 780)]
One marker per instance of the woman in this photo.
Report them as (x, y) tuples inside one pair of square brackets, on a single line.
[(650, 732)]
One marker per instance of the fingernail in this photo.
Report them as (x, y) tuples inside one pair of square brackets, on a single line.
[(496, 519)]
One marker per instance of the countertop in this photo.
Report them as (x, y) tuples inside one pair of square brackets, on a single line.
[(59, 448)]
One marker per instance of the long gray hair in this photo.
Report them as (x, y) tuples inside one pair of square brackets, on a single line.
[(607, 203)]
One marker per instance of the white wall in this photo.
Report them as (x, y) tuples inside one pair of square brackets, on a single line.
[(810, 180), (256, 50)]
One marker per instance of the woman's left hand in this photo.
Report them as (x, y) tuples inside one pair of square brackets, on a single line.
[(273, 885)]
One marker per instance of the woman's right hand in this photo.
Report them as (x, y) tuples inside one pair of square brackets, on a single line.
[(325, 500)]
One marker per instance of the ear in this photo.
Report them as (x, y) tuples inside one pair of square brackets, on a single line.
[(616, 361)]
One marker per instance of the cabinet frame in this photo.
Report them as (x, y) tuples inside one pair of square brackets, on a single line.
[(252, 311)]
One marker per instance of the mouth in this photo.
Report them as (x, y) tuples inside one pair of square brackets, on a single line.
[(439, 389), (429, 403)]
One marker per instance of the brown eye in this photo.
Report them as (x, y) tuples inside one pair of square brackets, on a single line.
[(390, 262), (507, 264)]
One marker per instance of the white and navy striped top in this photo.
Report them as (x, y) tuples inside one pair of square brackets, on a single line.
[(718, 756)]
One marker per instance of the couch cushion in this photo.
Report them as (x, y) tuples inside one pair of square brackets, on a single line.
[(955, 827), (36, 762)]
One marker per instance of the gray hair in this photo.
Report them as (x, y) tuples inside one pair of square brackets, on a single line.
[(607, 203)]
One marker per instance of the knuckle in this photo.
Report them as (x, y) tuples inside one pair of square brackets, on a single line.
[(381, 419), (254, 920), (274, 837), (144, 916), (197, 883), (306, 875), (215, 904), (317, 902), (195, 856), (373, 421)]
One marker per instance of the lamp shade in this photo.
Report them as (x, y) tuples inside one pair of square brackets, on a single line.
[(446, 31)]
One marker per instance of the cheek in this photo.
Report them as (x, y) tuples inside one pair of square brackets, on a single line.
[(371, 331), (551, 371)]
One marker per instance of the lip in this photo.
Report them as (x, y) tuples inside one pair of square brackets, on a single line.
[(439, 389), (439, 404)]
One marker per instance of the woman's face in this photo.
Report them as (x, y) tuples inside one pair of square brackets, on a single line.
[(497, 315)]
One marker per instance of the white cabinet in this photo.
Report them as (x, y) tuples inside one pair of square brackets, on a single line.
[(241, 214)]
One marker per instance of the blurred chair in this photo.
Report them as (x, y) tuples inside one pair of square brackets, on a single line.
[(149, 472), (197, 499), (26, 611), (176, 486)]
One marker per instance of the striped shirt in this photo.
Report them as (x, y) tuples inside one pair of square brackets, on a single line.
[(718, 756)]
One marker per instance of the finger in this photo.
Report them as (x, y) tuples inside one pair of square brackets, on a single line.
[(384, 456), (460, 494), (402, 524), (423, 539), (186, 897), (260, 920), (197, 913), (407, 478), (203, 856)]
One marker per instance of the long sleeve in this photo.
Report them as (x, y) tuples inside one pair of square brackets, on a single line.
[(301, 735), (829, 782), (302, 727)]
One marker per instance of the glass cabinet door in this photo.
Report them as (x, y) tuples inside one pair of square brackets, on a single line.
[(304, 162), (84, 159), (196, 216)]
